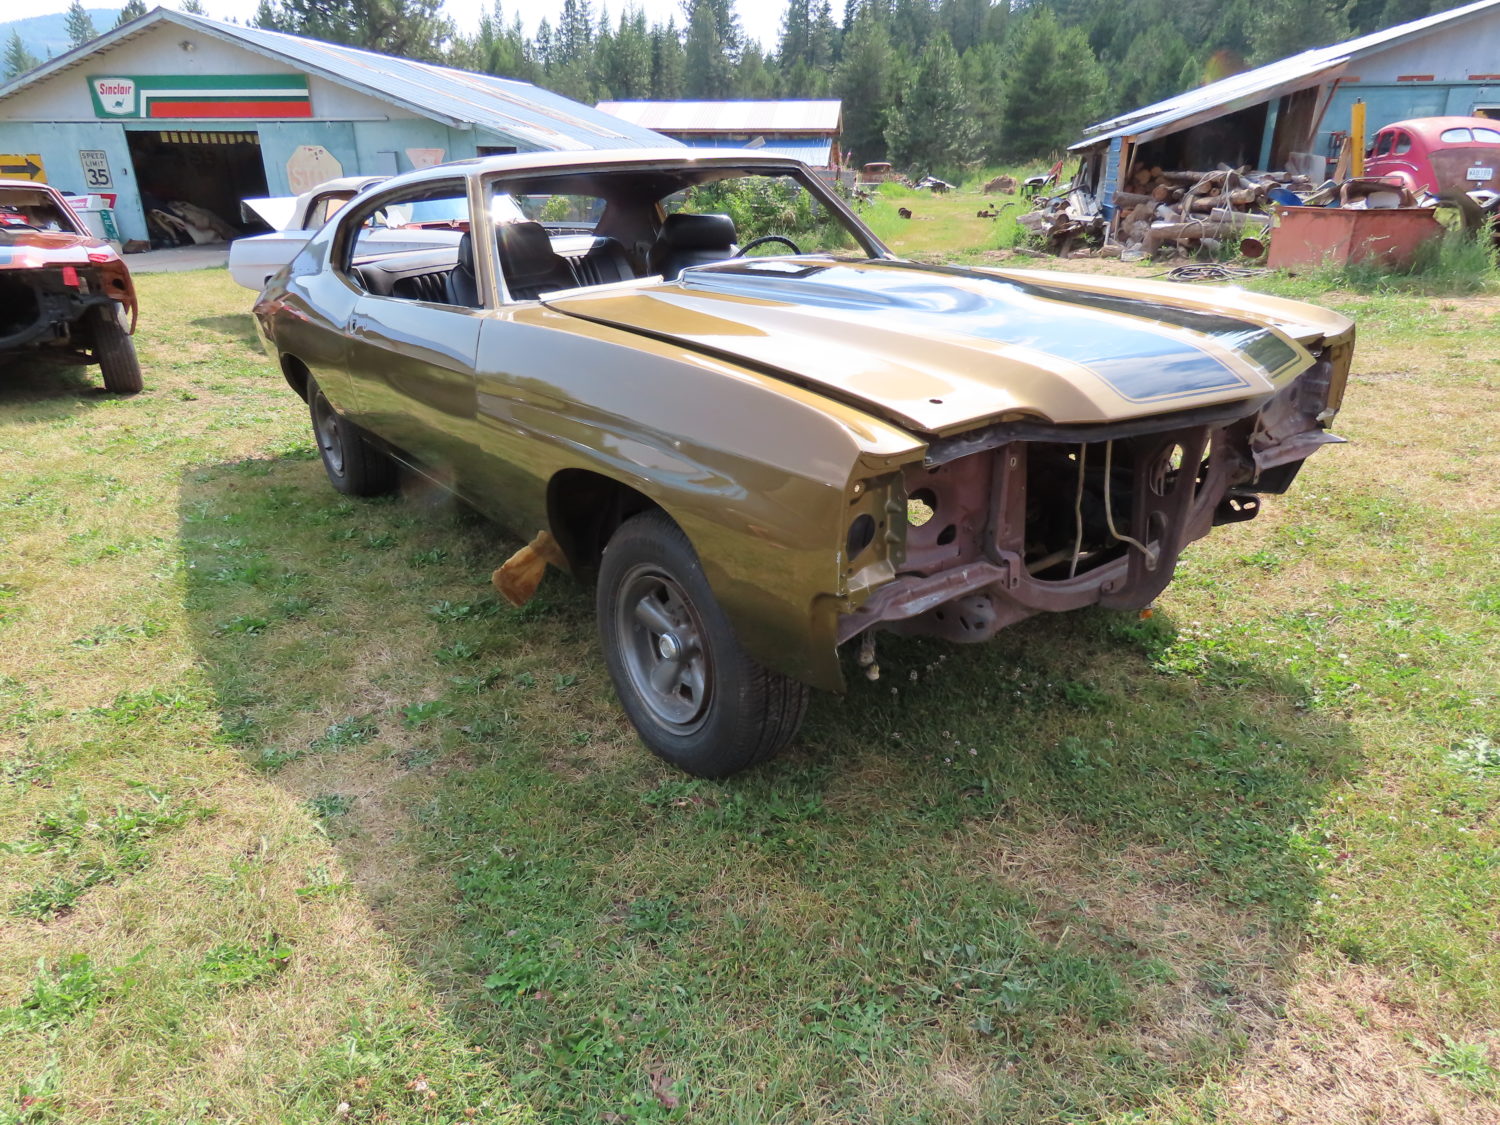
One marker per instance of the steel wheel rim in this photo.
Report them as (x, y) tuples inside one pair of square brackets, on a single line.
[(663, 648), (326, 429)]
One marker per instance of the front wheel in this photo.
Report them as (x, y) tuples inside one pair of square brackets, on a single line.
[(114, 351), (354, 465), (695, 696)]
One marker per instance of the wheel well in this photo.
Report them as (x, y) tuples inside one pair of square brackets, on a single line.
[(297, 374), (584, 509)]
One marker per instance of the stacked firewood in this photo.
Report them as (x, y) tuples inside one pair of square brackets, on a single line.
[(1068, 225), (1194, 210)]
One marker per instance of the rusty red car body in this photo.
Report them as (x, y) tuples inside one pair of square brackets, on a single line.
[(1438, 154), (64, 292)]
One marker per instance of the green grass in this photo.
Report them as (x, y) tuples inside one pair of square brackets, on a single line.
[(1453, 265), (944, 227), (297, 815)]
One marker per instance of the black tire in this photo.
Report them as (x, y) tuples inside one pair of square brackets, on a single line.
[(717, 711), (114, 351), (355, 465)]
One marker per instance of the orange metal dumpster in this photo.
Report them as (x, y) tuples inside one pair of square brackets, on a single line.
[(1311, 236)]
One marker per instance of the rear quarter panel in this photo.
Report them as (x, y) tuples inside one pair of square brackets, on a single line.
[(305, 314)]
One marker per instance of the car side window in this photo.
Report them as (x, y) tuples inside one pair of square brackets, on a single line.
[(1402, 145), (549, 240), (326, 207), (1381, 145), (412, 244)]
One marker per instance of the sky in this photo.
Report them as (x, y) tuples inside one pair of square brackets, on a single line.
[(759, 18)]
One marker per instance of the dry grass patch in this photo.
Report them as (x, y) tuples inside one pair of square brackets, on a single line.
[(1352, 1051)]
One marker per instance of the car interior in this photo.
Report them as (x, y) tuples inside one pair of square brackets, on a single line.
[(27, 209), (556, 232)]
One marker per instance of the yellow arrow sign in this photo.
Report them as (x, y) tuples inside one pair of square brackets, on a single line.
[(22, 166)]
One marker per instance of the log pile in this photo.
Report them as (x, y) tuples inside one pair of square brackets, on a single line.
[(1194, 211), (1066, 224)]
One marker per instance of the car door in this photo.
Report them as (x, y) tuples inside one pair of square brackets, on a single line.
[(527, 426), (1406, 160), (411, 348)]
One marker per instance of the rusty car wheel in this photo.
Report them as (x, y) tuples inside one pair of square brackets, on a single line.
[(697, 698), (354, 465)]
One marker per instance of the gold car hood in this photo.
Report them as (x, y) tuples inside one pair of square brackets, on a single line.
[(941, 349)]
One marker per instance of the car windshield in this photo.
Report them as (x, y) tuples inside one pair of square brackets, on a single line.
[(769, 207), (23, 210), (563, 229)]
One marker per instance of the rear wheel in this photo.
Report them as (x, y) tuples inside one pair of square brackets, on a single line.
[(114, 351), (697, 698), (355, 466)]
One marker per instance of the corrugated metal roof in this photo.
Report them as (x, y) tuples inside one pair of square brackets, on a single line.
[(814, 153), (1239, 90), (455, 97), (731, 117)]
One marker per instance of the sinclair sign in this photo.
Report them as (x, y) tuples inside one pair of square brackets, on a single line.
[(201, 96)]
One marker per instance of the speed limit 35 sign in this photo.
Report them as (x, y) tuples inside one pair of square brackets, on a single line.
[(95, 168)]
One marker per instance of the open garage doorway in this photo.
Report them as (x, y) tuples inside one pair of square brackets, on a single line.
[(192, 182)]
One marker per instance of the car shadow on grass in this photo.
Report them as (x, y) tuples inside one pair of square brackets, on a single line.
[(1061, 875), (41, 387), (239, 327)]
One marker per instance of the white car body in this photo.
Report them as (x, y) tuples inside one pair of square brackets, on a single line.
[(255, 260)]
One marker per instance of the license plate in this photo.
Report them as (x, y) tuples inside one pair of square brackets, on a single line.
[(1481, 173)]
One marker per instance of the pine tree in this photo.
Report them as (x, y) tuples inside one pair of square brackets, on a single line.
[(18, 60), (984, 83), (712, 49), (668, 62), (1286, 27), (1152, 68), (912, 24), (268, 17), (969, 22), (753, 77), (192, 8), (133, 9), (405, 28), (499, 49), (575, 31), (933, 128), (1053, 85), (545, 45), (796, 34), (79, 24), (823, 41), (624, 58), (865, 81)]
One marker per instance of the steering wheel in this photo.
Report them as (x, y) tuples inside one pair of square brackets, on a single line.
[(765, 238)]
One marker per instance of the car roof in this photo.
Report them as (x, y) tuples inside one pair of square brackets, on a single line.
[(598, 158), (32, 184), (1434, 125)]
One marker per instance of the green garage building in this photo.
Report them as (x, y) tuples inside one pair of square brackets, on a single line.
[(176, 107)]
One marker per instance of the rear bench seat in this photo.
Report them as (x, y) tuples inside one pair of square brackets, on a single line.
[(424, 276), (416, 277)]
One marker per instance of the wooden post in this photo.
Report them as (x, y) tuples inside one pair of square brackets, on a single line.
[(1273, 112), (1357, 138)]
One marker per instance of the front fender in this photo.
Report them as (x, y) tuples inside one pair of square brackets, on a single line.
[(756, 472)]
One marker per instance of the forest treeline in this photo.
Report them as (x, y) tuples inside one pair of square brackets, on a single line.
[(929, 84)]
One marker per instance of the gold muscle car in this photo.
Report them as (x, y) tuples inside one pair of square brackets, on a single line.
[(762, 459)]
